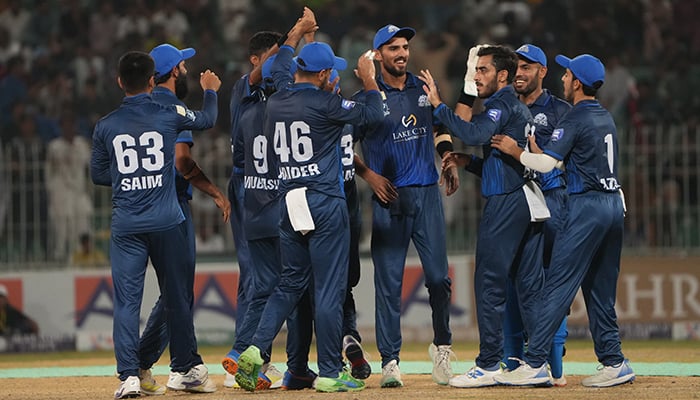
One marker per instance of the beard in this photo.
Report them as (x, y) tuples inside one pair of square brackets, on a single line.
[(181, 87), (488, 89), (393, 71)]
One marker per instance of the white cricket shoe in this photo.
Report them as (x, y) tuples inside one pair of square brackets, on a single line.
[(195, 380), (611, 375), (273, 374), (476, 377), (391, 375), (441, 357), (128, 388), (525, 375), (149, 386), (230, 380)]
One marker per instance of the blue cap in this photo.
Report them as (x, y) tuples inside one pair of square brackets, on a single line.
[(388, 32), (587, 68), (168, 56), (532, 53), (317, 56), (267, 67)]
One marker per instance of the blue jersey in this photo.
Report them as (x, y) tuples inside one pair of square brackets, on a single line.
[(241, 89), (306, 125), (261, 199), (402, 148), (133, 150), (347, 156), (504, 114), (547, 111), (586, 140), (166, 97)]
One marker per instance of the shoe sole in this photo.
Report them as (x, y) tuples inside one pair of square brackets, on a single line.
[(540, 382), (360, 367), (392, 384), (230, 365), (473, 386), (614, 382)]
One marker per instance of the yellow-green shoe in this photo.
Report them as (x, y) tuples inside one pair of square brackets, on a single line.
[(343, 383), (249, 364)]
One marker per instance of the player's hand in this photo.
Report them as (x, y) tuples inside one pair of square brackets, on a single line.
[(224, 205), (455, 160), (450, 178), (534, 148), (307, 22), (507, 145), (382, 187), (430, 88), (365, 66), (209, 81)]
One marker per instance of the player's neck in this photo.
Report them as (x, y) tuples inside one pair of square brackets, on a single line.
[(531, 97), (169, 84), (398, 82), (579, 97)]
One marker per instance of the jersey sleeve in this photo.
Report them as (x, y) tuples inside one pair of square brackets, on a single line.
[(99, 161), (280, 68), (185, 137), (198, 120), (562, 140), (352, 112), (479, 130)]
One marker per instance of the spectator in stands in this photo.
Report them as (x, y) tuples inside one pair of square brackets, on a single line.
[(70, 203), (87, 255), (12, 320)]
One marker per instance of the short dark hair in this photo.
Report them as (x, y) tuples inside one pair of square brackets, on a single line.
[(588, 90), (503, 59), (135, 71), (261, 41)]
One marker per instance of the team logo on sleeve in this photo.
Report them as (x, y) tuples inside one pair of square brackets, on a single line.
[(557, 134), (190, 115), (347, 104), (180, 110), (494, 114)]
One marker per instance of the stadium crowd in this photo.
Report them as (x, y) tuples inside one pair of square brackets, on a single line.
[(57, 61)]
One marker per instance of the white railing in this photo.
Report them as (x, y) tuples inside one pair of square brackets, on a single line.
[(660, 170)]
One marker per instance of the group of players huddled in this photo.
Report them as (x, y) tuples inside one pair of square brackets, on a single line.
[(546, 168)]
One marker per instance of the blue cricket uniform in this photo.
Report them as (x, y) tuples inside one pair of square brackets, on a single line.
[(240, 90), (508, 244), (133, 152), (586, 253), (306, 126), (352, 200), (155, 336), (546, 111), (402, 150)]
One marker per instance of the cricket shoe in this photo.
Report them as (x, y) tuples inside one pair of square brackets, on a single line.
[(611, 375), (230, 381), (273, 374), (559, 382), (298, 382), (149, 386), (128, 388), (360, 368), (391, 375), (230, 362), (196, 380), (476, 377), (441, 356), (345, 382), (526, 375), (249, 364)]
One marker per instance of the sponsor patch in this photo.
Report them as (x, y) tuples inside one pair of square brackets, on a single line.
[(557, 134), (494, 114), (180, 110), (347, 104), (410, 120), (423, 101)]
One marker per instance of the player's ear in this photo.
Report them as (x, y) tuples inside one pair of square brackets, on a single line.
[(119, 82), (151, 82)]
